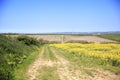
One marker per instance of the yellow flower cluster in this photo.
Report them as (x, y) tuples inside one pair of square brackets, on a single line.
[(104, 51)]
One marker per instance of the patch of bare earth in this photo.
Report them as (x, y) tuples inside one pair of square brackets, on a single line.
[(63, 69), (100, 74), (67, 38), (32, 72), (69, 71)]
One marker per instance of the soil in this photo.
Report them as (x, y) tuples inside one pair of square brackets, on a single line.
[(66, 70)]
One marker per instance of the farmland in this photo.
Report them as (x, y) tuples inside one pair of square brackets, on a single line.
[(59, 39), (108, 53), (71, 38), (111, 36), (77, 58)]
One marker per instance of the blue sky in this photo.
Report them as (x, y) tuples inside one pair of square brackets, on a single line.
[(39, 16)]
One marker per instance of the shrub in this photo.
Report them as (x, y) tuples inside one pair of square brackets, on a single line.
[(13, 51), (28, 40), (6, 74)]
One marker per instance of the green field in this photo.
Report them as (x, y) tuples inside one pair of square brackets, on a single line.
[(111, 36)]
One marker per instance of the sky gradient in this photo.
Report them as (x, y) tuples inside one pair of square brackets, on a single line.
[(39, 16)]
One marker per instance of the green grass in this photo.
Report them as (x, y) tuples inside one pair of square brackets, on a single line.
[(87, 61), (20, 71), (88, 72), (48, 54), (48, 73), (13, 53), (111, 36)]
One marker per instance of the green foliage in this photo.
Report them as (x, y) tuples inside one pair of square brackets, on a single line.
[(21, 69), (5, 74), (111, 36), (12, 53), (28, 40)]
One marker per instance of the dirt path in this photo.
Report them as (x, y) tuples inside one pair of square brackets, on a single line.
[(61, 64), (69, 71), (66, 70), (63, 70), (32, 72)]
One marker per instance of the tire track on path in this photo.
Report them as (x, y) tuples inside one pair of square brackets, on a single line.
[(63, 68), (73, 73), (32, 71)]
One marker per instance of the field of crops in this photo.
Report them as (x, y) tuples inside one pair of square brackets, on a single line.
[(111, 36), (107, 53), (71, 38)]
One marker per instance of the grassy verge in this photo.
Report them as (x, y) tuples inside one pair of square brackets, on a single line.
[(48, 54), (111, 36), (48, 73), (13, 52), (86, 61), (19, 72)]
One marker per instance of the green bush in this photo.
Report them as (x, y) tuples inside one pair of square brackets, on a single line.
[(28, 40), (6, 74), (14, 51)]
